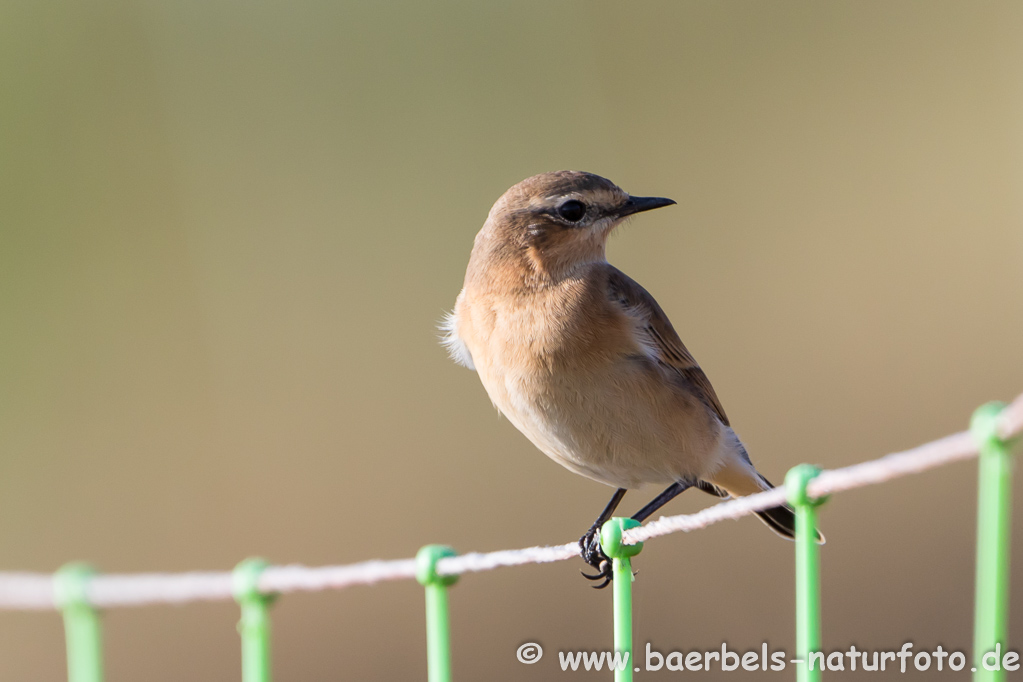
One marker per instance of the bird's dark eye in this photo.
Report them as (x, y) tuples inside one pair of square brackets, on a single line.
[(572, 210)]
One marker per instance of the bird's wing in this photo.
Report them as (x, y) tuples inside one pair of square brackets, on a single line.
[(661, 336)]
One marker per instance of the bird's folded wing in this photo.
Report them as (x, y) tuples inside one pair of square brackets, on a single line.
[(661, 336)]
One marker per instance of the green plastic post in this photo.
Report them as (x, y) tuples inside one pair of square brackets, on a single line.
[(994, 511), (438, 622), (81, 623), (621, 567), (254, 626), (808, 578)]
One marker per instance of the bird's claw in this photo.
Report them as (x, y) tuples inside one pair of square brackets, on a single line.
[(605, 575), (592, 554)]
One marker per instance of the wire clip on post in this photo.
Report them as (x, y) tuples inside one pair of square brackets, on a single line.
[(994, 512), (621, 568), (254, 626), (81, 623), (438, 622), (808, 579)]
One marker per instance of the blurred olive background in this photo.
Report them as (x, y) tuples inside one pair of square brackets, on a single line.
[(228, 230)]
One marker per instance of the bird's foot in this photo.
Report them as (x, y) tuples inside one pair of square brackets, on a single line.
[(593, 555)]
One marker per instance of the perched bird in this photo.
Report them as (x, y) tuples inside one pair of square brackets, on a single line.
[(583, 361)]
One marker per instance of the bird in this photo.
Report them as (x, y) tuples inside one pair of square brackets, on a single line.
[(584, 362)]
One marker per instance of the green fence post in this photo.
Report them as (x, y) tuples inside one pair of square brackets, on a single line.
[(994, 512), (438, 623), (621, 567), (254, 626), (808, 577), (81, 623)]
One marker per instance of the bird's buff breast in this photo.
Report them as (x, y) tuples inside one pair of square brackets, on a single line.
[(600, 415), (568, 373)]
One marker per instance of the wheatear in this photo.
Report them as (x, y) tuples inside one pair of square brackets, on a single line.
[(582, 360)]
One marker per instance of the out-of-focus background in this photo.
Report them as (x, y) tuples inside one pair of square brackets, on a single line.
[(227, 232)]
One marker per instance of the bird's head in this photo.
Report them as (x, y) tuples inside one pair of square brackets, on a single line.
[(555, 221)]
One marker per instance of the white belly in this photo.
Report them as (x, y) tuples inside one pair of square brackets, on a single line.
[(619, 426)]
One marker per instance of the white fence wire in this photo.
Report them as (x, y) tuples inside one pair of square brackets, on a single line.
[(35, 591)]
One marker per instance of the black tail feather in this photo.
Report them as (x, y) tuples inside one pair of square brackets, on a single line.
[(782, 520), (712, 489)]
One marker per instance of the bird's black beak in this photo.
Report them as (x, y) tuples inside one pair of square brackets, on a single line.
[(640, 204)]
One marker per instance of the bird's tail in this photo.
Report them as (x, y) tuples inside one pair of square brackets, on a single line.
[(782, 521), (739, 478)]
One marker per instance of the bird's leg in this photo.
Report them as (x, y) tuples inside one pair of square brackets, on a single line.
[(589, 543), (594, 555), (670, 493)]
